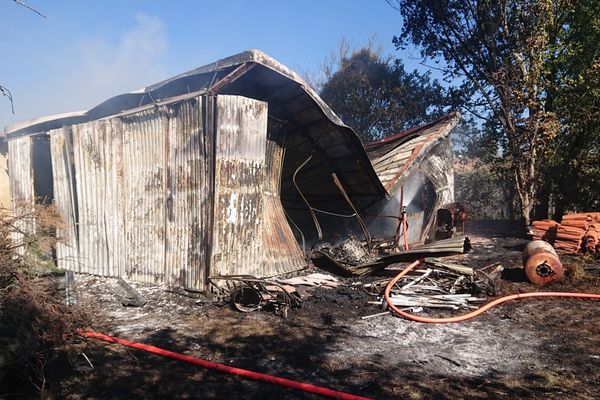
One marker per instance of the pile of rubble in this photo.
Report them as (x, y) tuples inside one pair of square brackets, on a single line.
[(440, 285), (575, 233), (350, 257)]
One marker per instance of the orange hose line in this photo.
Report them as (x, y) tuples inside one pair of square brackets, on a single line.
[(307, 387), (480, 310)]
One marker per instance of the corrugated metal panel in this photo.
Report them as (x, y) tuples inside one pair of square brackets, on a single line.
[(144, 160), (144, 195), (96, 156), (247, 218), (438, 166), (152, 184), (189, 199), (64, 198), (115, 198), (22, 196), (20, 168), (239, 183), (395, 157), (415, 221), (281, 250)]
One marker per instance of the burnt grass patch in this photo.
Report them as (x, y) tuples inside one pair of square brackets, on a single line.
[(527, 349)]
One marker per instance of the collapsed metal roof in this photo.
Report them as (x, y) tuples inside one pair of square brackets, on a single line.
[(395, 156), (313, 128)]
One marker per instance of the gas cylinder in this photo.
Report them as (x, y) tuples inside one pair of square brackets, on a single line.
[(541, 263)]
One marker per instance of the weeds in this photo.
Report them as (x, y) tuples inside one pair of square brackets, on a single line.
[(34, 320)]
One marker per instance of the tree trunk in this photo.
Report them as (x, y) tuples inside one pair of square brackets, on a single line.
[(541, 209), (526, 207), (525, 190)]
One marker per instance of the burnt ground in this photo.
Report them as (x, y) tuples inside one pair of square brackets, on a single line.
[(547, 348)]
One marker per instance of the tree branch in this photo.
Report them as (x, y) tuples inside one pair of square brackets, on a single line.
[(5, 92), (20, 3)]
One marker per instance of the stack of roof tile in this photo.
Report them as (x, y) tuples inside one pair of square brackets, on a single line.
[(569, 238), (580, 220), (545, 230), (592, 238), (576, 232)]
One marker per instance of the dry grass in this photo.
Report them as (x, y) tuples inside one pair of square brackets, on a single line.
[(574, 270), (34, 321)]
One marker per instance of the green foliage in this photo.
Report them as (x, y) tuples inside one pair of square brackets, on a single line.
[(574, 160), (377, 97), (485, 191), (528, 69)]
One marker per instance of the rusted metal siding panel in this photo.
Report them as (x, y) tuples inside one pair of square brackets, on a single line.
[(395, 157), (86, 172), (114, 199), (415, 226), (22, 195), (20, 169), (64, 199), (189, 196), (96, 166), (251, 233), (151, 186), (144, 194), (239, 183), (282, 252)]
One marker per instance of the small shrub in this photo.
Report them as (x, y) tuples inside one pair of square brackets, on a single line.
[(34, 320)]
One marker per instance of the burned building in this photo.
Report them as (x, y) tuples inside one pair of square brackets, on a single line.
[(236, 167), (415, 167)]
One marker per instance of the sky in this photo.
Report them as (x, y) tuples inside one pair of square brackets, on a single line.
[(87, 51)]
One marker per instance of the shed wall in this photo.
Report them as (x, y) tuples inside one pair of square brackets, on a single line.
[(22, 195), (143, 195), (188, 212), (64, 197), (252, 235), (175, 192)]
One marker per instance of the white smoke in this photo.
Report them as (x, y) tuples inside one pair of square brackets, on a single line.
[(92, 70)]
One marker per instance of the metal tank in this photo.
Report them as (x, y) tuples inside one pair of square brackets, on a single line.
[(541, 263)]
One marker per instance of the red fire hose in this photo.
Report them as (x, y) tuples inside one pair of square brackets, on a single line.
[(225, 368), (480, 310)]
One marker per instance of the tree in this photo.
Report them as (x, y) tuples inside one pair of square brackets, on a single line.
[(375, 95), (496, 54), (575, 95)]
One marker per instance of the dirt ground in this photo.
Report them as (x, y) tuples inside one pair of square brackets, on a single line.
[(527, 349)]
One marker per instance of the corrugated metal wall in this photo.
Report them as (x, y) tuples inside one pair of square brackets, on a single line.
[(252, 235), (22, 195), (97, 198), (140, 187), (67, 251), (176, 192), (189, 193), (144, 163), (281, 250)]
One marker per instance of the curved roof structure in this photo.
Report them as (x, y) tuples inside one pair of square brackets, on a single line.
[(313, 128)]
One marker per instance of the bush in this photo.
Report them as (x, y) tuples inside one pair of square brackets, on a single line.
[(34, 320)]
